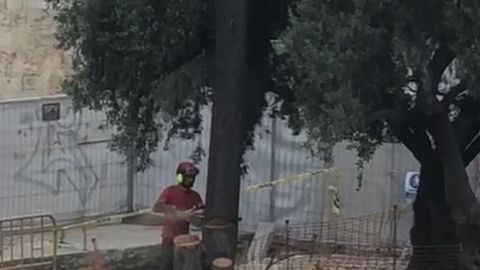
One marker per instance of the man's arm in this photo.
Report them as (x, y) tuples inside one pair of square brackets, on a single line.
[(162, 207), (161, 203), (197, 218), (172, 211)]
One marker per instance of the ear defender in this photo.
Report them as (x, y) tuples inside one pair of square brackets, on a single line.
[(179, 178)]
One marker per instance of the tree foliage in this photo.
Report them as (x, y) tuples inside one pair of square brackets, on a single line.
[(132, 60), (147, 64), (365, 70)]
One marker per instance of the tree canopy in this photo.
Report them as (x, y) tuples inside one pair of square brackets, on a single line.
[(134, 59), (364, 70), (368, 71)]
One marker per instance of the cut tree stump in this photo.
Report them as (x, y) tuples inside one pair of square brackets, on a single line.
[(188, 253), (222, 264)]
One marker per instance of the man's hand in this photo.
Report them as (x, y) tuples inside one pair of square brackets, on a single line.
[(174, 213), (185, 214)]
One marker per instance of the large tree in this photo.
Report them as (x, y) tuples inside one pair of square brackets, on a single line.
[(242, 76), (136, 59), (370, 71)]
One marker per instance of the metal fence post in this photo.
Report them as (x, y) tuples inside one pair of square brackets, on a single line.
[(130, 177), (395, 218), (273, 168), (392, 174), (287, 243)]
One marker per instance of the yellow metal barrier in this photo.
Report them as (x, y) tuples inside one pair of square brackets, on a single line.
[(29, 241)]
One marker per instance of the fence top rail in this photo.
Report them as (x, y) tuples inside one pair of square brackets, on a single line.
[(32, 217), (32, 99)]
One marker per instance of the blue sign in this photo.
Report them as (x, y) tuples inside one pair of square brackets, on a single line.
[(412, 181)]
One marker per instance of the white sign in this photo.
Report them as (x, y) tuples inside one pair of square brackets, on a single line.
[(261, 241), (412, 180)]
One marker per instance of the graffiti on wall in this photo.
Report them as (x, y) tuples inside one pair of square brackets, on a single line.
[(57, 163)]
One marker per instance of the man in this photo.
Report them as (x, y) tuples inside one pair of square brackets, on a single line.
[(178, 202)]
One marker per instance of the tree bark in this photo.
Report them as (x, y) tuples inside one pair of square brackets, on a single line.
[(240, 82), (433, 225), (227, 139), (465, 210), (433, 235)]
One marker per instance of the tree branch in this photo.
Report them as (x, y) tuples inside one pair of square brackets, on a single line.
[(430, 77), (442, 58), (472, 150), (414, 138), (387, 115), (407, 137), (454, 92), (195, 72)]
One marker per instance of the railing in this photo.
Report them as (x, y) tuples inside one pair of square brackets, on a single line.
[(29, 241)]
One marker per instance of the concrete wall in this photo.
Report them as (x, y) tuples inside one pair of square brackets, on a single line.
[(30, 66), (144, 258)]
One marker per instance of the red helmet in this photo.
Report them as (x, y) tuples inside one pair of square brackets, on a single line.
[(187, 169)]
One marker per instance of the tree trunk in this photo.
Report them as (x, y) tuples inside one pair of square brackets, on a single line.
[(433, 234), (433, 225), (227, 139), (465, 210)]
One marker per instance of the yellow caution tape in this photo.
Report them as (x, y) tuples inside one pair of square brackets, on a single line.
[(106, 219), (290, 179), (336, 202), (112, 218)]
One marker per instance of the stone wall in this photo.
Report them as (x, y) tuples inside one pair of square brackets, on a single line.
[(144, 258), (30, 65)]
